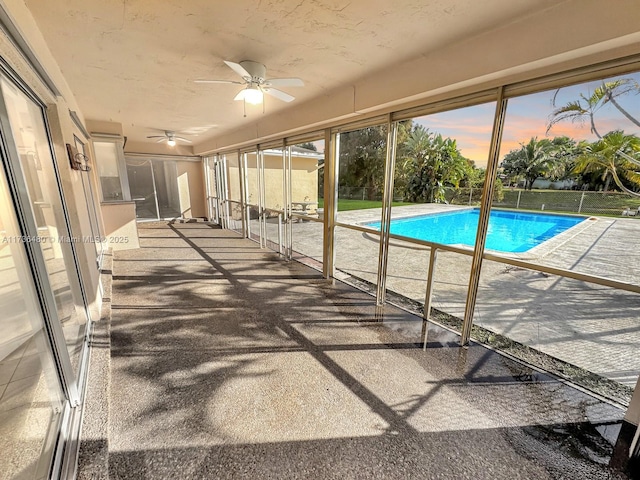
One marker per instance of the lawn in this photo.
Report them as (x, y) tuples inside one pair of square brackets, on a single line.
[(350, 204)]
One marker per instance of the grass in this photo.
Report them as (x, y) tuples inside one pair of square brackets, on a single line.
[(350, 204)]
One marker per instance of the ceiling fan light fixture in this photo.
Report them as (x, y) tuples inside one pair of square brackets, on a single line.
[(253, 95), (254, 78), (171, 142)]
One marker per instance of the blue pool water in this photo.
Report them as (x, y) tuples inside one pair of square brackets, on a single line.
[(508, 231)]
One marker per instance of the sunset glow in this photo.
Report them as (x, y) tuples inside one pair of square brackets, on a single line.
[(528, 117)]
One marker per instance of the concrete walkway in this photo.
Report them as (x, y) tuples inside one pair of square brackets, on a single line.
[(593, 327), (228, 362)]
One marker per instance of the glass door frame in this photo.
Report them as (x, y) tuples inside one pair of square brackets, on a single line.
[(213, 191), (20, 193), (72, 386)]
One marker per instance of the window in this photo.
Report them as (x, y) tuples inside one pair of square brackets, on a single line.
[(110, 164)]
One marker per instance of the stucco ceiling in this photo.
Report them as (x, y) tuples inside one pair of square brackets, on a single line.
[(134, 62)]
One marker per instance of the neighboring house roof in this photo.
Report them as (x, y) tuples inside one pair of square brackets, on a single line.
[(296, 151)]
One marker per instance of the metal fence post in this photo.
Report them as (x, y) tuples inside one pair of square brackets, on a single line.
[(483, 220), (581, 200), (280, 233), (385, 220), (429, 293), (518, 202), (331, 193)]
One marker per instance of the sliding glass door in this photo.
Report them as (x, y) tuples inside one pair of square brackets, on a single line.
[(56, 244), (142, 188), (154, 188), (165, 177), (45, 320), (31, 397)]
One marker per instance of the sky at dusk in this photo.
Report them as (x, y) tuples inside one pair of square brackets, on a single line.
[(528, 117)]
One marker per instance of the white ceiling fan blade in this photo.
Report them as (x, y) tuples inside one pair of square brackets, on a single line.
[(156, 136), (163, 139), (218, 81), (182, 139), (284, 82), (285, 97), (239, 69)]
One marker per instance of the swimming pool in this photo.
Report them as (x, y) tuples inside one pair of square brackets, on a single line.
[(513, 232)]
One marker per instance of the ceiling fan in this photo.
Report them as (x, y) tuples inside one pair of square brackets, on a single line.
[(169, 137), (254, 78)]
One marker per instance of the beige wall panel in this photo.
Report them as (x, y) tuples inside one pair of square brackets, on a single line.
[(191, 189), (633, 413), (120, 225)]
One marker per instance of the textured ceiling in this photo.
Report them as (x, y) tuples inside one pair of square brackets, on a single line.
[(134, 61)]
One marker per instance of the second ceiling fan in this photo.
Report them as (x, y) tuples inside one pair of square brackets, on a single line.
[(169, 137), (254, 78)]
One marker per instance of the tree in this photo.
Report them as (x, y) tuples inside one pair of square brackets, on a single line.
[(309, 146), (564, 152), (362, 157), (532, 160), (431, 162), (586, 107), (609, 159)]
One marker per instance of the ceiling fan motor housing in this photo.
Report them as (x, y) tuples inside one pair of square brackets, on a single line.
[(257, 71)]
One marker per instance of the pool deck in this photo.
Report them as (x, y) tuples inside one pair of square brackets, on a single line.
[(590, 326)]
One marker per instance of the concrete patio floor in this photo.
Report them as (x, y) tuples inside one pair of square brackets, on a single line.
[(225, 361), (593, 327)]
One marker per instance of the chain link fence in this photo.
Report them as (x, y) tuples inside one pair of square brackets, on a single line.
[(565, 201), (359, 193)]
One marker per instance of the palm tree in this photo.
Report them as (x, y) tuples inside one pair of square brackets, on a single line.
[(578, 111), (610, 90), (534, 159), (585, 107), (609, 158)]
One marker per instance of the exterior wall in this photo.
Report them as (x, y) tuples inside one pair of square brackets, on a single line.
[(304, 180), (120, 225), (273, 178)]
